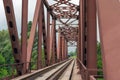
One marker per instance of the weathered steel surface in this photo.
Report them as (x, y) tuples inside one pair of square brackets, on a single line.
[(48, 36), (109, 24), (44, 35), (59, 46), (9, 11), (33, 30), (40, 37), (24, 34), (83, 34), (91, 35), (53, 53), (63, 47), (82, 22)]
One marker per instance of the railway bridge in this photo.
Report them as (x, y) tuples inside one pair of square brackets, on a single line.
[(59, 24)]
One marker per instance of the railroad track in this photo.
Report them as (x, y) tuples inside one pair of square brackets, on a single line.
[(58, 71)]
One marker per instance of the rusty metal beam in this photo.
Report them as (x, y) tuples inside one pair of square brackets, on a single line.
[(59, 47), (51, 41), (109, 25), (53, 44), (63, 24), (48, 36), (9, 11), (44, 35), (24, 34), (91, 36), (63, 48), (49, 8), (82, 21), (33, 30), (40, 32)]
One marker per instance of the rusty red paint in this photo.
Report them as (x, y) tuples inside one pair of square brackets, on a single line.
[(24, 34), (9, 11)]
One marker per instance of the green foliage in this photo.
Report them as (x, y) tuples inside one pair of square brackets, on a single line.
[(2, 59), (72, 54), (3, 72), (100, 79), (5, 47), (29, 28), (99, 58), (6, 56)]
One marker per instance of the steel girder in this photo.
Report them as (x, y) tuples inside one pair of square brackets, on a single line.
[(53, 47), (24, 34), (91, 35), (48, 36), (9, 11), (59, 46), (44, 36), (109, 25), (40, 36)]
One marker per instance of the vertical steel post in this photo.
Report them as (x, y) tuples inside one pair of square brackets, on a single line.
[(63, 48), (39, 57), (91, 36), (66, 53), (109, 26), (44, 35), (58, 47), (24, 34), (82, 24), (9, 11), (53, 42), (79, 53), (55, 45), (48, 36)]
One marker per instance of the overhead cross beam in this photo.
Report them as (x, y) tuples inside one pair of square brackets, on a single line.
[(70, 33)]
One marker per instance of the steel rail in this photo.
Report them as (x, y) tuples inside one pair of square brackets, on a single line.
[(68, 73), (58, 74), (40, 72)]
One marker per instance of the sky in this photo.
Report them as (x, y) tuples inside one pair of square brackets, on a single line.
[(31, 8), (17, 10)]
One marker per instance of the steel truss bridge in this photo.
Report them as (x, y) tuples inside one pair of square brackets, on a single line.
[(60, 25)]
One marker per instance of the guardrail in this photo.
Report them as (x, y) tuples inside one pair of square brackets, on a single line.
[(85, 73)]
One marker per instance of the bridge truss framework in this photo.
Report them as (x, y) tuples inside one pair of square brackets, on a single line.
[(84, 34)]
